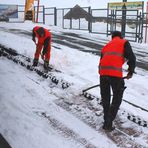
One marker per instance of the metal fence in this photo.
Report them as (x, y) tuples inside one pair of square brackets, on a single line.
[(76, 24), (102, 21), (50, 16), (99, 21), (145, 27), (40, 16), (133, 24)]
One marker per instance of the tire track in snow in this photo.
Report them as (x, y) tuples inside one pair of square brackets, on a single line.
[(65, 131)]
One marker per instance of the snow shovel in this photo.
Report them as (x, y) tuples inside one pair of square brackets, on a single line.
[(97, 86)]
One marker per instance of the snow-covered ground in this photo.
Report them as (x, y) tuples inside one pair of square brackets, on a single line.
[(23, 94)]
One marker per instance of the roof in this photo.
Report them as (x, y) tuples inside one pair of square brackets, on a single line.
[(78, 12)]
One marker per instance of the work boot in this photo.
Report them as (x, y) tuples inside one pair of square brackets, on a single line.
[(108, 126), (35, 62), (46, 64)]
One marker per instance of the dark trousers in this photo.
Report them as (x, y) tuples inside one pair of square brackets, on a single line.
[(111, 106)]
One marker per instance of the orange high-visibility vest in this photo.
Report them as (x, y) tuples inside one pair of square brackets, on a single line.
[(42, 39), (112, 58)]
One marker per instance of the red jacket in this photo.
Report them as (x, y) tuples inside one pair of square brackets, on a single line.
[(41, 40), (112, 58)]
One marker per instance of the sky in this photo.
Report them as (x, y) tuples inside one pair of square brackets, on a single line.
[(70, 3)]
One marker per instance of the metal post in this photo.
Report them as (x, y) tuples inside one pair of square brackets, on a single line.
[(137, 24), (112, 22), (79, 24), (43, 15), (123, 22), (115, 19), (25, 9), (108, 20), (63, 18), (139, 36), (34, 15), (71, 19), (146, 21), (89, 19), (37, 11), (55, 16), (141, 22)]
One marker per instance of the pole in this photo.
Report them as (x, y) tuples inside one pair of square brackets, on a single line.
[(146, 23), (37, 11), (55, 16), (89, 19), (25, 9), (123, 22)]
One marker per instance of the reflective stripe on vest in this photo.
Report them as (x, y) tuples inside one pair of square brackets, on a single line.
[(110, 68), (112, 58), (113, 53)]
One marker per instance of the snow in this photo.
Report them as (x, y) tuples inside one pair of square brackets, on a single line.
[(23, 94), (20, 98), (24, 127)]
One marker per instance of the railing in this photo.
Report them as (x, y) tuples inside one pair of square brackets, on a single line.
[(99, 21)]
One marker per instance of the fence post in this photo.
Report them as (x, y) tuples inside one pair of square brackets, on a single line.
[(63, 17), (34, 15), (89, 20), (43, 15), (55, 16), (70, 19), (79, 24), (108, 20), (140, 33), (123, 21), (146, 22), (142, 21)]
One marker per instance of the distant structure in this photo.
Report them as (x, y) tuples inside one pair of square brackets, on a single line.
[(29, 9), (78, 12)]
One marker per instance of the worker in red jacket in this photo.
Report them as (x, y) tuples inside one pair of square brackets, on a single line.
[(113, 56), (42, 39)]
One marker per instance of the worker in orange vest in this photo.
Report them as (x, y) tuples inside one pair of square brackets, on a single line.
[(113, 56), (42, 39)]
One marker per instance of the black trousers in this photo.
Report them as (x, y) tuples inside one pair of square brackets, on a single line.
[(111, 106)]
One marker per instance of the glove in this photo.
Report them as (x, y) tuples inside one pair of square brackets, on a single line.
[(33, 39), (129, 75), (130, 72)]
